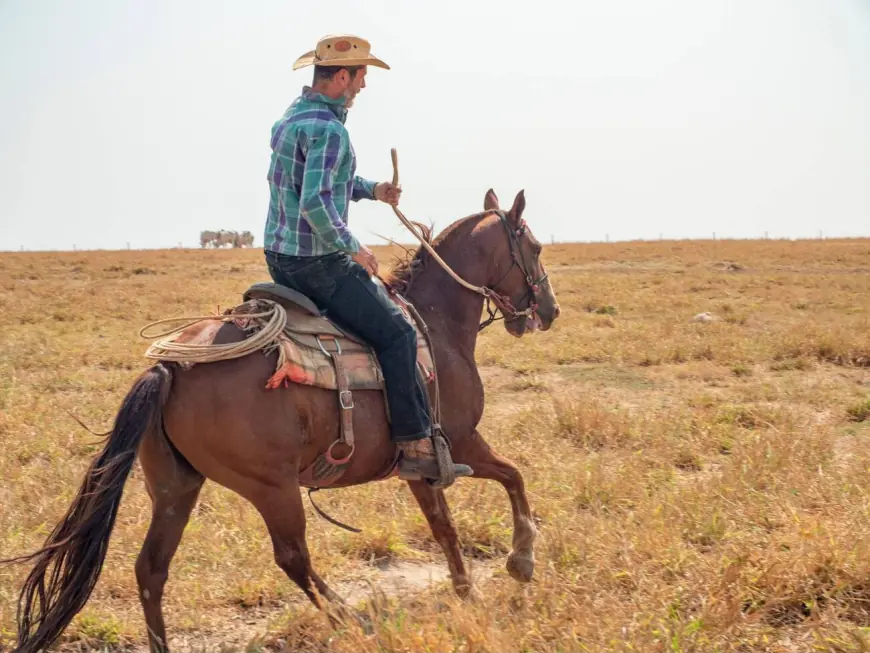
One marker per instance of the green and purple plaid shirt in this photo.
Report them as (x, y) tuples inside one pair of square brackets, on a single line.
[(311, 179)]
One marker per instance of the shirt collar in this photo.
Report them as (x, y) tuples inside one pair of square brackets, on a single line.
[(336, 106)]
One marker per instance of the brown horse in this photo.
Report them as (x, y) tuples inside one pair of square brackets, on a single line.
[(217, 421)]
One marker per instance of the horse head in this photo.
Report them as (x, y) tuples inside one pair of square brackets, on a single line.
[(516, 271)]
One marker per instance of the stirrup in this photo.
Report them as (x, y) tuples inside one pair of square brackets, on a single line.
[(442, 471)]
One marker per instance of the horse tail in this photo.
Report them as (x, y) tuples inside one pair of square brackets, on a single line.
[(76, 548)]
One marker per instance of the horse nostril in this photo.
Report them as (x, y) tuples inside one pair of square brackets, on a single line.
[(556, 312)]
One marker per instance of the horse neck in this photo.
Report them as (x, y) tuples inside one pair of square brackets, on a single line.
[(451, 311)]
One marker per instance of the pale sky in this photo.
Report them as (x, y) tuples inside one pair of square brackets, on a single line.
[(148, 121)]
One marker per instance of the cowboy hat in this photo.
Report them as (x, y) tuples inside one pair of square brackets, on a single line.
[(340, 50)]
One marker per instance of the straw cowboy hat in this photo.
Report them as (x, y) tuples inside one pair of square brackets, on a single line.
[(340, 50)]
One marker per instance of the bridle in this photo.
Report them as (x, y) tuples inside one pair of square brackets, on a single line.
[(502, 302), (533, 286)]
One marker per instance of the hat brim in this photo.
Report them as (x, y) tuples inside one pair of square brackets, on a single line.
[(309, 59)]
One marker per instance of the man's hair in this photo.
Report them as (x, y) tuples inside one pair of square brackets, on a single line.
[(326, 73)]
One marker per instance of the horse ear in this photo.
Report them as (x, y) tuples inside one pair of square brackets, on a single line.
[(490, 202), (516, 212)]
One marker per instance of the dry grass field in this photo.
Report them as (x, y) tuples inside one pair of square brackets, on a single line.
[(697, 486)]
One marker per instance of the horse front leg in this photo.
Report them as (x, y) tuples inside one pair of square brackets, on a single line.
[(488, 464)]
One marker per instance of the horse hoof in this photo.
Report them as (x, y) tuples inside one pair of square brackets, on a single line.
[(469, 593), (364, 621), (521, 567), (341, 615)]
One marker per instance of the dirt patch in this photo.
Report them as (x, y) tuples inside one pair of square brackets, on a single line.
[(244, 630), (395, 578)]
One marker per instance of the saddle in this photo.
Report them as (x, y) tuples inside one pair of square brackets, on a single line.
[(315, 344), (317, 352)]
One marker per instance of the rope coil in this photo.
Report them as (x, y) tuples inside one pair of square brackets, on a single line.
[(166, 349)]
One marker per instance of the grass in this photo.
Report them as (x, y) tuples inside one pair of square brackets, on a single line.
[(697, 486), (860, 411)]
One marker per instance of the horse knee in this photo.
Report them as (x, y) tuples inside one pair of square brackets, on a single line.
[(442, 524), (512, 478), (444, 529)]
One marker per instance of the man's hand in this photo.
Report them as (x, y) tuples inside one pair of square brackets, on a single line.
[(388, 193), (367, 259)]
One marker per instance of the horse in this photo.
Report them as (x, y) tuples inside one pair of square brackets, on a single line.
[(245, 239), (206, 238), (186, 424)]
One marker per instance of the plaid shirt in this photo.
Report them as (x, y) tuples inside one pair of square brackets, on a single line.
[(311, 178)]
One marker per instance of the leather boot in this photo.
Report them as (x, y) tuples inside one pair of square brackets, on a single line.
[(418, 461)]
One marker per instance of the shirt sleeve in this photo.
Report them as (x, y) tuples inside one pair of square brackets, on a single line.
[(316, 204), (363, 189)]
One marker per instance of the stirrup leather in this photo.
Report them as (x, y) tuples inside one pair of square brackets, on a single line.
[(331, 464)]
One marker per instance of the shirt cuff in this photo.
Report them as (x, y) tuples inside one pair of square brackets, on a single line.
[(351, 244), (363, 189)]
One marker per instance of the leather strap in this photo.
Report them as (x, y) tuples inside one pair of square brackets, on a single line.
[(345, 403), (331, 520)]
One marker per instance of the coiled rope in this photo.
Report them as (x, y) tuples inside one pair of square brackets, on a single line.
[(166, 349)]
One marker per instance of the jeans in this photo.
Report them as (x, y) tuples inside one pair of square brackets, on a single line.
[(344, 291)]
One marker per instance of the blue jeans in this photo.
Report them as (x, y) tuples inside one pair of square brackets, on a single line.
[(344, 291)]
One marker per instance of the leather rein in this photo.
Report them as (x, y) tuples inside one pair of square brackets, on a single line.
[(502, 303)]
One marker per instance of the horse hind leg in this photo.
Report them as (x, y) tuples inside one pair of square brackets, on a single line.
[(282, 510), (173, 486)]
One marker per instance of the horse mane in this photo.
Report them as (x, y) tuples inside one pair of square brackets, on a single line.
[(403, 274)]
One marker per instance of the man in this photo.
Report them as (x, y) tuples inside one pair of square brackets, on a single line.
[(309, 247)]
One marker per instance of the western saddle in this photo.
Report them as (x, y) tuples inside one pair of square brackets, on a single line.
[(317, 352)]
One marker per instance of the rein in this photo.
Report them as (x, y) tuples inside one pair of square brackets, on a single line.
[(502, 302)]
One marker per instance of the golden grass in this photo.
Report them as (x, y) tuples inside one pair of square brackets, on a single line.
[(696, 486)]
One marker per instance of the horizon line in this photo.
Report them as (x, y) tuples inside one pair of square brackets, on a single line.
[(412, 244)]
